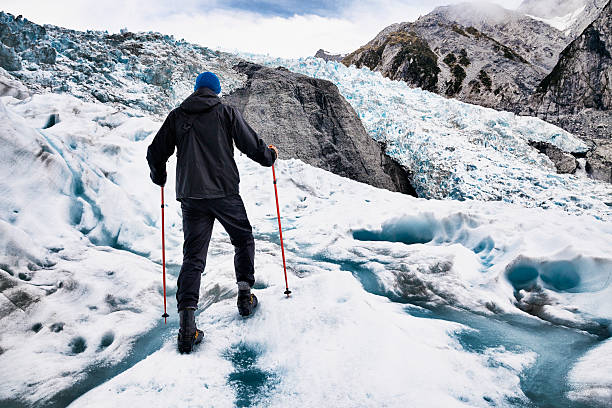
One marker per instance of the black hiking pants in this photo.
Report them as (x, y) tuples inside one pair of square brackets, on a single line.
[(198, 218)]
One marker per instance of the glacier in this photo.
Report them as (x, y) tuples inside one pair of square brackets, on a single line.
[(457, 150), (492, 289), (397, 300), (454, 150)]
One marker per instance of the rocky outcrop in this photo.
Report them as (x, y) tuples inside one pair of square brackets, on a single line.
[(599, 161), (577, 94), (536, 41), (308, 119), (329, 57), (438, 54), (564, 162)]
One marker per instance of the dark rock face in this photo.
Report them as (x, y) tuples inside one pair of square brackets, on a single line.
[(564, 162), (308, 119), (580, 80), (400, 55), (441, 55), (577, 94), (599, 161), (328, 57)]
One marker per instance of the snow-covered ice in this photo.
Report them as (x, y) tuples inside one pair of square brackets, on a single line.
[(80, 264)]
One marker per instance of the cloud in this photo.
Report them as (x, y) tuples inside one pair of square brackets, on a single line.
[(264, 27)]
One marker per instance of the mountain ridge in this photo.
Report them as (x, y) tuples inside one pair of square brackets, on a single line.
[(490, 56)]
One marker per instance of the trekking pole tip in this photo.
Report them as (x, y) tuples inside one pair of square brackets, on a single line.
[(287, 292)]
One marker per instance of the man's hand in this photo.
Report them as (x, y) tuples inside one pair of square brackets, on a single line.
[(159, 179), (275, 149)]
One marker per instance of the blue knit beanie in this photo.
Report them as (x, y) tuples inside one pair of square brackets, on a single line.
[(209, 80)]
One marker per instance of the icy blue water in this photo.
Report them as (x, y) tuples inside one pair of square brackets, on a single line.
[(557, 347), (249, 381)]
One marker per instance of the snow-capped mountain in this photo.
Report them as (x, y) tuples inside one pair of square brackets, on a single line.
[(490, 56), (443, 56), (539, 43), (493, 291)]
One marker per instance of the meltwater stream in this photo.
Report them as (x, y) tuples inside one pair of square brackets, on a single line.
[(557, 347)]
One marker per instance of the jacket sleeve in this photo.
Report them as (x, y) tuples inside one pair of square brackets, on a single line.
[(161, 149), (248, 142)]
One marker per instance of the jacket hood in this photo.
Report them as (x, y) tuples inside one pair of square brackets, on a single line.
[(201, 100)]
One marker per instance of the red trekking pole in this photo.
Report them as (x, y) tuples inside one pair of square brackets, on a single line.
[(165, 315), (280, 231)]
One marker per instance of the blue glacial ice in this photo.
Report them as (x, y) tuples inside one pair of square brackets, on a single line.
[(457, 150)]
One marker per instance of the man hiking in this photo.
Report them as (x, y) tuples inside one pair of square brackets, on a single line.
[(204, 131)]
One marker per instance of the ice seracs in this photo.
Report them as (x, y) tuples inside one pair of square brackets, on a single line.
[(461, 151)]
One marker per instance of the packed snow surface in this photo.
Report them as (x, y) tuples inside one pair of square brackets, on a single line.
[(80, 273), (457, 150)]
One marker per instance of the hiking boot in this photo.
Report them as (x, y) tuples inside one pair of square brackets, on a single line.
[(188, 335), (247, 301)]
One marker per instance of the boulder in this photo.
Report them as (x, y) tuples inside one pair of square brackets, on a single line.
[(308, 119), (564, 162), (599, 160)]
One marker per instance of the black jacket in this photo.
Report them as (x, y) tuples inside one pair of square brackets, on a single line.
[(204, 132)]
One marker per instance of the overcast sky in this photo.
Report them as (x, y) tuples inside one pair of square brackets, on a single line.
[(286, 28)]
